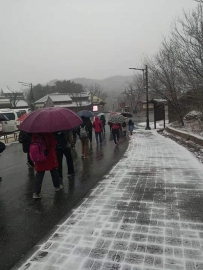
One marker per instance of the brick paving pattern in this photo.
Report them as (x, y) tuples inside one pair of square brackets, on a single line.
[(146, 214)]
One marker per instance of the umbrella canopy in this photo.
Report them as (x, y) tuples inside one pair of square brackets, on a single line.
[(116, 119), (114, 113), (50, 120), (22, 117), (3, 117), (85, 113), (126, 114), (100, 114)]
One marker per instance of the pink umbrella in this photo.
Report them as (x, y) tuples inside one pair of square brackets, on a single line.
[(50, 120)]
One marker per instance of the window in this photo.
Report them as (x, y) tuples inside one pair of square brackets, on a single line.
[(10, 116)]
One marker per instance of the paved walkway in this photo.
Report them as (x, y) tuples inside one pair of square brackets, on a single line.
[(146, 214)]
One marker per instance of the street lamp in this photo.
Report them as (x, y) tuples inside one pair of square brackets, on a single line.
[(31, 94), (147, 99)]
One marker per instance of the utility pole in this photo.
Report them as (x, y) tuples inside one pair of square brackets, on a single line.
[(147, 98), (32, 101)]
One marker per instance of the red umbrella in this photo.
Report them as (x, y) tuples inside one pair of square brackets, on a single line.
[(50, 120), (22, 117)]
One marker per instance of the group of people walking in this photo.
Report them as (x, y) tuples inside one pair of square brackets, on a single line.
[(45, 151)]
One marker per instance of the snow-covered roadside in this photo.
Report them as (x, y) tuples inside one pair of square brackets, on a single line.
[(194, 148)]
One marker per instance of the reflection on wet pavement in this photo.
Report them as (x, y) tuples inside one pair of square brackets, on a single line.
[(24, 221)]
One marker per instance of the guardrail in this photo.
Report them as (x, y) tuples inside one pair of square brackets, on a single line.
[(9, 136)]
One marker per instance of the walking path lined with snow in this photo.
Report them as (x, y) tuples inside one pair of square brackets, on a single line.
[(146, 214)]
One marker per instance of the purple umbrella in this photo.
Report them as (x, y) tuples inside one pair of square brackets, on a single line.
[(50, 120)]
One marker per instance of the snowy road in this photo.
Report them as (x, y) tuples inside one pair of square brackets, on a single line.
[(147, 214)]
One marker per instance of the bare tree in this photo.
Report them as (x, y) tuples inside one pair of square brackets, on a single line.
[(14, 96), (77, 98), (187, 39), (95, 90)]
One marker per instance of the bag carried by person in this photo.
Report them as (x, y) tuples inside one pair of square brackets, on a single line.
[(2, 147), (83, 132), (124, 124), (38, 150)]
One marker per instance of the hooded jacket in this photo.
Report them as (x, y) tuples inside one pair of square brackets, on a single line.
[(97, 124)]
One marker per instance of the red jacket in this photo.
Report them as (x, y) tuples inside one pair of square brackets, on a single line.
[(51, 161), (97, 124)]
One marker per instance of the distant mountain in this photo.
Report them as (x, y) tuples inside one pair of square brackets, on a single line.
[(113, 84)]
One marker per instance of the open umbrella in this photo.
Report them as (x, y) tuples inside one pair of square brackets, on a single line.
[(50, 120), (116, 118), (3, 117), (85, 113), (126, 114), (22, 117)]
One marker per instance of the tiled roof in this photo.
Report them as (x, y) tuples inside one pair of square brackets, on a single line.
[(56, 97)]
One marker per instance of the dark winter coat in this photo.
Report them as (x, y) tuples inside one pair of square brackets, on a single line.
[(25, 138)]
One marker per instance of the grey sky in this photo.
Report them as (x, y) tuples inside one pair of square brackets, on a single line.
[(42, 40)]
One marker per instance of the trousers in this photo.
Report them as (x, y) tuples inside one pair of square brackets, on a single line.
[(116, 135), (40, 176), (69, 161)]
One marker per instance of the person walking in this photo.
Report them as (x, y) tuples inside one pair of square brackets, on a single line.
[(25, 138), (103, 120), (131, 126), (97, 125), (89, 125), (63, 147), (124, 128), (43, 154), (82, 132), (2, 148), (116, 133)]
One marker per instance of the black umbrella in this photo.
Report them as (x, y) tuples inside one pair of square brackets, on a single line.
[(3, 117), (85, 113), (126, 114)]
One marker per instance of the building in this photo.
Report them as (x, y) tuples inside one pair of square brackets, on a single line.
[(12, 99), (73, 101), (4, 103)]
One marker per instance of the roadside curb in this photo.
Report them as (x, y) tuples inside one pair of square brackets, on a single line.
[(185, 135)]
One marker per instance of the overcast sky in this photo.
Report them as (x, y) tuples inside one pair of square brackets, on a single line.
[(42, 40)]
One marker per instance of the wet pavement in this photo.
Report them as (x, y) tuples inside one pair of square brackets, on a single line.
[(146, 214), (24, 221)]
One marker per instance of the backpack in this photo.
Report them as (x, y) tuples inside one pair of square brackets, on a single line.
[(38, 150), (124, 124), (83, 132)]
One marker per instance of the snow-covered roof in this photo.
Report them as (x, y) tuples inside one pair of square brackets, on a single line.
[(4, 100), (82, 94), (7, 91), (157, 100), (56, 97), (21, 103), (74, 104)]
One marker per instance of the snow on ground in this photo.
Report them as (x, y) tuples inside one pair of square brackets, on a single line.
[(146, 214)]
